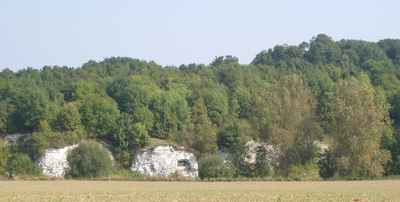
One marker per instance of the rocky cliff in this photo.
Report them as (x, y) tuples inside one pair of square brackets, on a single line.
[(252, 147), (162, 161), (54, 161)]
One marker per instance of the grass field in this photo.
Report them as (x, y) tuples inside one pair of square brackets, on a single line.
[(99, 191)]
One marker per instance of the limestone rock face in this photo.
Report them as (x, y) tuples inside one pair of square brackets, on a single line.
[(162, 161), (13, 138), (54, 161), (250, 153), (252, 146), (321, 147)]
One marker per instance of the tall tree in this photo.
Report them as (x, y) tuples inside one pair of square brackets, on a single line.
[(293, 122), (357, 124), (204, 133), (99, 116)]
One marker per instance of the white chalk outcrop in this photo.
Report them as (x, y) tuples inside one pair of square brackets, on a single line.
[(54, 161), (271, 154), (322, 147), (163, 161)]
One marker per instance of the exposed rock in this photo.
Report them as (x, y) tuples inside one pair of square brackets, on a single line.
[(321, 147), (162, 161), (54, 161), (13, 138), (250, 153), (252, 148)]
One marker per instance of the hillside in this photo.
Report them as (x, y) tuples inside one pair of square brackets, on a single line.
[(345, 94)]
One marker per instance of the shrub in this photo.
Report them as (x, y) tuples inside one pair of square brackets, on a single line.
[(263, 165), (4, 152), (309, 171), (125, 174), (21, 164), (89, 159), (214, 167), (327, 165)]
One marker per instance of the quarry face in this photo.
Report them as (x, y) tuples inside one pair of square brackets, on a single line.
[(163, 161), (54, 161)]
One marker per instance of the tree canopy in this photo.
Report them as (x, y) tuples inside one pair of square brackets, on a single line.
[(345, 94)]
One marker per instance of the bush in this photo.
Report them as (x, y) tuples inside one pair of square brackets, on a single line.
[(263, 165), (4, 152), (327, 165), (89, 159), (309, 171), (19, 164), (214, 167), (124, 174)]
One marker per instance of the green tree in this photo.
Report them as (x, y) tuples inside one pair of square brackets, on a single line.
[(392, 49), (217, 103), (6, 111), (99, 115), (133, 93), (214, 167), (20, 164), (204, 133), (323, 50), (357, 126), (294, 126), (263, 165), (32, 106), (171, 113), (89, 159), (68, 118), (4, 153)]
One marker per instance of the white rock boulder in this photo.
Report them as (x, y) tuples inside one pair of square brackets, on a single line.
[(54, 161), (163, 161), (322, 147), (252, 147)]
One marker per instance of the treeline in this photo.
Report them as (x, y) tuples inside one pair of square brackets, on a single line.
[(344, 94)]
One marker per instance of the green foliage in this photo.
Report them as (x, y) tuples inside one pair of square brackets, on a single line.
[(133, 93), (68, 118), (204, 133), (357, 132), (308, 171), (171, 113), (129, 137), (216, 101), (45, 138), (347, 92), (263, 165), (4, 153), (32, 106), (282, 56), (229, 138), (213, 166), (89, 159), (323, 50), (6, 109), (327, 165), (99, 115), (19, 164), (294, 126), (392, 49)]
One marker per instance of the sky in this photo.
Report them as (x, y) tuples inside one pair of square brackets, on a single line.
[(34, 33)]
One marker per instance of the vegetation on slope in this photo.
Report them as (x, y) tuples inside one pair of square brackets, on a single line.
[(345, 93)]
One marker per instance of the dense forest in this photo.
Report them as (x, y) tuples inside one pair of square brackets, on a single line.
[(345, 94)]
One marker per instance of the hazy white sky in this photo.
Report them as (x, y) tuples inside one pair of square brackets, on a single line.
[(171, 32)]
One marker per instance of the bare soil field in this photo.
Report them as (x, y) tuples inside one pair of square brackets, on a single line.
[(99, 191)]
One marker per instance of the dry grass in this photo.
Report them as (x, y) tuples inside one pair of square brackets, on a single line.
[(75, 191)]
